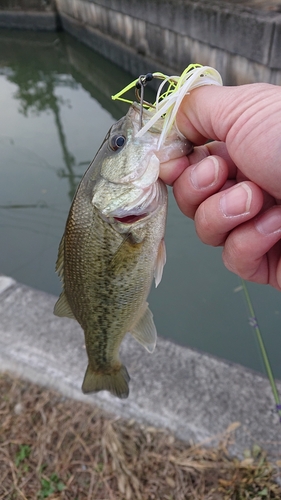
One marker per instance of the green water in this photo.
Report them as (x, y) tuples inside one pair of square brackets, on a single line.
[(55, 110)]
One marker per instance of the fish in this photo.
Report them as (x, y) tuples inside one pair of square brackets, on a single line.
[(113, 246)]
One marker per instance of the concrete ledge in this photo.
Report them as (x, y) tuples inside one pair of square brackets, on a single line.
[(29, 20), (275, 55), (219, 24), (242, 40), (26, 5), (116, 51), (245, 29), (132, 40), (192, 394)]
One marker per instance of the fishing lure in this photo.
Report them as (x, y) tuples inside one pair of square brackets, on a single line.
[(168, 101)]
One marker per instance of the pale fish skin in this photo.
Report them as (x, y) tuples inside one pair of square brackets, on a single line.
[(107, 265)]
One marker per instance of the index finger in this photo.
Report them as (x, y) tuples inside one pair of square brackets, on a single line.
[(171, 170)]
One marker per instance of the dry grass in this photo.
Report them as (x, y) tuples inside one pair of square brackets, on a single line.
[(52, 447)]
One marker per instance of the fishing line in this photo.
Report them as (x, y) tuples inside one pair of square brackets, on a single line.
[(141, 83), (254, 324)]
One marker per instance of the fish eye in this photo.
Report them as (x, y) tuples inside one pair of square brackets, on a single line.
[(117, 142)]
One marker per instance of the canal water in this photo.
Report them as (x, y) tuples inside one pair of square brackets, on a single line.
[(55, 110)]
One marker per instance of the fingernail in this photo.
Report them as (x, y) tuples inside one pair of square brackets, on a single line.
[(205, 173), (237, 201), (269, 222)]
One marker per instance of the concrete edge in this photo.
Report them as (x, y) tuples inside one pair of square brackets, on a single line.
[(190, 393), (251, 33), (239, 31), (30, 20), (234, 69), (114, 50)]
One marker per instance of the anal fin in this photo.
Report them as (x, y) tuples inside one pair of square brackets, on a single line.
[(145, 331), (62, 307)]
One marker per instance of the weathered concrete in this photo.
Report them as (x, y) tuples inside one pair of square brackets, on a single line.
[(239, 29), (36, 15), (241, 39), (194, 395), (36, 21), (124, 56), (27, 5)]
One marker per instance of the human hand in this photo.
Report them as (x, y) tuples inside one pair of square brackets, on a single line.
[(232, 186)]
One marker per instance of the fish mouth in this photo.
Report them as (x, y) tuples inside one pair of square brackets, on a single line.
[(130, 219)]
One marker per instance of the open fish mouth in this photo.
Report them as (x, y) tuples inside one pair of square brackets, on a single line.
[(126, 204), (130, 219)]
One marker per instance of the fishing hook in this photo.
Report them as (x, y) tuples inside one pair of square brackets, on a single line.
[(141, 83)]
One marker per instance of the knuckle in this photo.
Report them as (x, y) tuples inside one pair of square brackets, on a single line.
[(234, 254), (238, 258), (203, 223)]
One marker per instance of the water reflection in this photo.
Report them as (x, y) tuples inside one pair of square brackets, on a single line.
[(50, 66), (36, 94), (36, 75)]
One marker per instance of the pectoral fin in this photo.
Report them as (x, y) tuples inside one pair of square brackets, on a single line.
[(144, 331), (160, 263), (62, 307), (127, 247), (117, 262)]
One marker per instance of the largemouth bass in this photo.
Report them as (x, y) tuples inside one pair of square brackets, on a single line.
[(113, 246)]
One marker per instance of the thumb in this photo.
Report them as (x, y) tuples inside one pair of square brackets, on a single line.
[(211, 112), (247, 119)]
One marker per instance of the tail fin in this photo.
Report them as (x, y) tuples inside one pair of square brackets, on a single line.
[(115, 382)]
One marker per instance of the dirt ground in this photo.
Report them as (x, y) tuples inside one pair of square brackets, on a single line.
[(56, 448)]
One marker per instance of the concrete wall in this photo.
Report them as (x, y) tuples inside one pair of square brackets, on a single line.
[(243, 43), (27, 5), (37, 15), (242, 39)]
